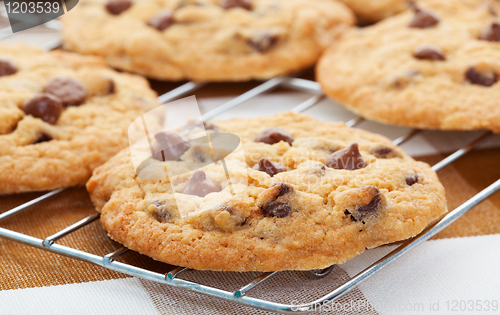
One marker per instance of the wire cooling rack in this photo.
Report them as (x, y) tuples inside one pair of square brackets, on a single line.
[(240, 296)]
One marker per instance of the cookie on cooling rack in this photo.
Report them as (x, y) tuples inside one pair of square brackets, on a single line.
[(61, 115), (213, 40), (436, 66), (317, 194), (373, 11)]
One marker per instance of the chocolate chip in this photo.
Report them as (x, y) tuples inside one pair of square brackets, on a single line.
[(229, 218), (284, 189), (429, 52), (484, 79), (412, 179), (275, 202), (268, 166), (44, 106), (274, 135), (117, 7), (382, 152), (263, 42), (162, 20), (423, 18), (370, 208), (491, 33), (7, 67), (361, 212), (43, 137), (69, 91), (277, 209), (169, 146), (346, 159), (200, 185), (161, 211), (229, 4), (111, 87)]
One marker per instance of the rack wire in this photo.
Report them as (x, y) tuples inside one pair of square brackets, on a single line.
[(240, 296)]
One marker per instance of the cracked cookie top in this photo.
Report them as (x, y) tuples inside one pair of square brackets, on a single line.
[(61, 115), (435, 66), (213, 40), (316, 194)]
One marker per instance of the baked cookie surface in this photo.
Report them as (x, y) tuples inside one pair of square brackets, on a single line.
[(217, 40), (374, 11), (61, 115), (436, 66), (316, 194)]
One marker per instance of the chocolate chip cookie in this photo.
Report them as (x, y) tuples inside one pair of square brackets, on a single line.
[(369, 11), (316, 194), (61, 115), (435, 66), (207, 40)]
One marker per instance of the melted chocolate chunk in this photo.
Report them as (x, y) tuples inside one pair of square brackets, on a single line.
[(276, 206), (274, 135), (235, 220), (161, 211), (429, 52), (484, 79), (277, 209), (162, 20), (263, 42), (268, 166), (200, 185), (284, 189), (412, 179), (43, 137), (7, 67), (44, 106), (423, 18), (366, 210), (491, 33), (382, 152), (117, 7), (346, 159), (372, 206), (169, 146), (69, 91), (229, 4)]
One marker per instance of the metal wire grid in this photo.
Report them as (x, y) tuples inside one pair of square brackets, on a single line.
[(239, 296)]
